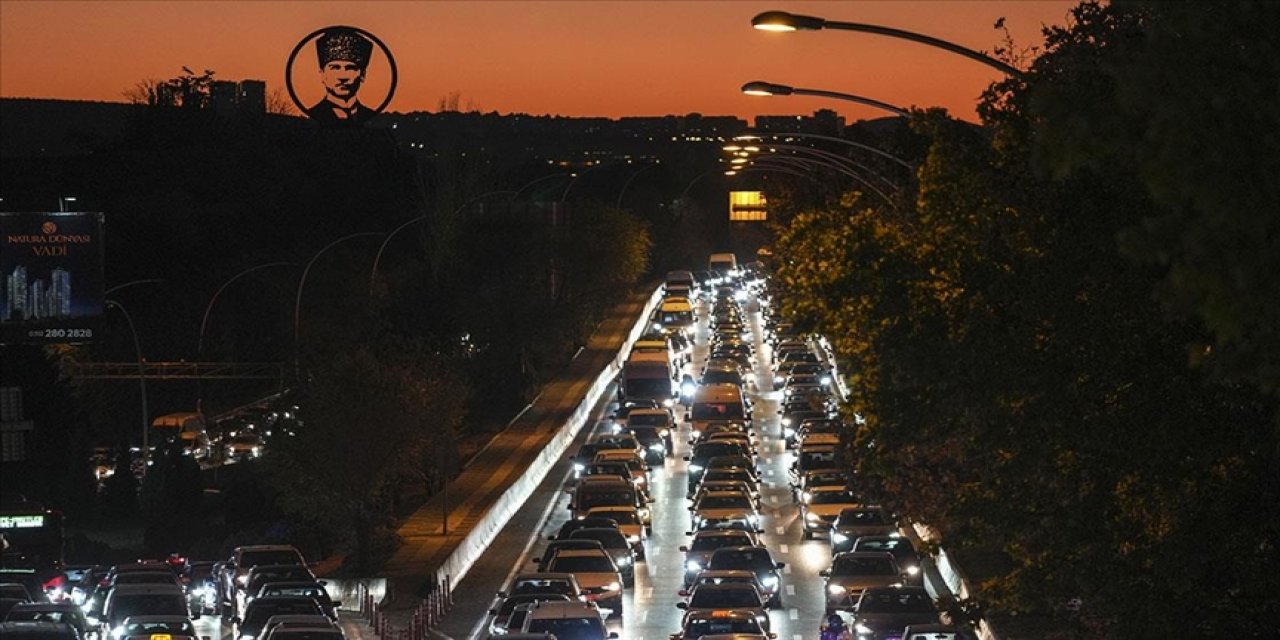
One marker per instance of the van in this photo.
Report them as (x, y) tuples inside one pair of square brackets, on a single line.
[(723, 264), (717, 403), (648, 374), (178, 422), (680, 278)]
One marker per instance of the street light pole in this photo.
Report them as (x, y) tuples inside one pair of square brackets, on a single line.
[(838, 161), (204, 321), (629, 179), (783, 21), (761, 88), (814, 136), (536, 181), (142, 380), (297, 303)]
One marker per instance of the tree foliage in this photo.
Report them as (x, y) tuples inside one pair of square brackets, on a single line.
[(1010, 344)]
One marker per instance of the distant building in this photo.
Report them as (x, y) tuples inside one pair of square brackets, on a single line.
[(823, 122), (39, 301), (222, 96), (15, 304), (251, 96), (60, 293)]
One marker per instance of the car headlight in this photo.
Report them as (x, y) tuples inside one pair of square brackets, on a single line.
[(753, 518), (613, 586), (117, 632), (913, 570), (835, 589), (657, 326), (633, 539), (644, 513), (665, 433), (657, 446), (668, 403), (578, 466), (788, 433), (862, 629), (825, 379), (693, 566), (624, 561), (694, 468), (805, 497), (839, 538), (761, 618), (242, 580), (639, 480), (769, 582), (786, 422), (688, 388)]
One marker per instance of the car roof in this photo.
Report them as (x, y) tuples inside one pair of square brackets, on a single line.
[(46, 606), (582, 553), (266, 547), (717, 614), (543, 575), (562, 609), (151, 618), (146, 589)]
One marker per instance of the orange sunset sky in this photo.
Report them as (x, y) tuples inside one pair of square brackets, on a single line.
[(579, 58)]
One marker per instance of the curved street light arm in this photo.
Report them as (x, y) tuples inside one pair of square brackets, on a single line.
[(536, 181), (926, 40), (815, 136), (837, 159), (633, 177), (130, 284), (297, 303), (142, 378), (564, 197), (858, 177), (849, 97), (204, 321), (779, 170)]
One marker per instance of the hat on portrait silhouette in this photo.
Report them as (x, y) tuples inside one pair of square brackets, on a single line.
[(343, 44)]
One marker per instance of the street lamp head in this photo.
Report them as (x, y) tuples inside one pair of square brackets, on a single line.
[(760, 88), (731, 173), (783, 21), (731, 147), (739, 161)]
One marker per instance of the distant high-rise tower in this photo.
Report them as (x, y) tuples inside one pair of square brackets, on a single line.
[(15, 306), (38, 301), (222, 96), (251, 96), (60, 293)]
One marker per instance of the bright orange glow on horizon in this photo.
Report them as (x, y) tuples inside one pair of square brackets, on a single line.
[(583, 58)]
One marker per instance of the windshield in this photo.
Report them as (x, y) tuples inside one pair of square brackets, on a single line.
[(862, 518), (307, 634), (715, 376), (752, 559), (510, 603), (69, 617), (717, 411), (895, 602), (724, 598), (282, 575), (863, 566), (258, 613), (833, 497), (711, 543), (725, 502), (610, 538), (648, 387), (254, 558), (544, 586), (146, 577), (647, 419), (151, 604), (622, 517), (583, 564), (899, 547), (819, 459), (568, 628), (178, 627), (605, 498)]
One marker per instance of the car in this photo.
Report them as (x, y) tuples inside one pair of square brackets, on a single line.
[(754, 559), (856, 522), (256, 613), (729, 595), (742, 474), (821, 478), (744, 486), (308, 589), (853, 572), (820, 506), (885, 612), (199, 581), (814, 426), (616, 545), (267, 573), (728, 576), (720, 621), (567, 621), (724, 505), (290, 632), (586, 454), (596, 573), (83, 588), (244, 446), (814, 457), (276, 624), (901, 548), (629, 524), (697, 554), (556, 545), (27, 630), (60, 612), (502, 621), (543, 582), (934, 632), (128, 600), (719, 427), (148, 627), (638, 470), (700, 458), (585, 522), (235, 571), (608, 491)]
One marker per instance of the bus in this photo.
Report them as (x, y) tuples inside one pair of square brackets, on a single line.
[(31, 546)]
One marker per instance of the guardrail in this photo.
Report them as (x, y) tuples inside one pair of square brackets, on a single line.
[(952, 577)]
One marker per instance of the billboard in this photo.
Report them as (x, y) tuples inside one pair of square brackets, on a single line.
[(747, 206), (51, 272)]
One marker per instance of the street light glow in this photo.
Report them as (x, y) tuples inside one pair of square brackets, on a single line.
[(731, 147), (739, 161), (731, 173), (761, 88), (783, 21)]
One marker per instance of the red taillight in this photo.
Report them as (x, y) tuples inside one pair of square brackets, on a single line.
[(56, 582)]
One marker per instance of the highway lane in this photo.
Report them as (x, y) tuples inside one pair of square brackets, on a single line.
[(650, 607)]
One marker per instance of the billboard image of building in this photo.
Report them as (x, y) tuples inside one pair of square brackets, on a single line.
[(52, 266)]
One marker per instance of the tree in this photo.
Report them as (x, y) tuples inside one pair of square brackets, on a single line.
[(374, 412)]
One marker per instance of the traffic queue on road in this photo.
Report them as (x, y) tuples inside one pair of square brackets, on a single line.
[(264, 592), (576, 585)]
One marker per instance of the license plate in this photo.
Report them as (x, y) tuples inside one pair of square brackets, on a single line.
[(161, 636)]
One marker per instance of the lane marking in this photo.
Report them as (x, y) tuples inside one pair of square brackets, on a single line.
[(648, 593), (781, 530), (644, 616), (773, 499), (797, 637), (784, 548), (794, 614), (787, 569), (791, 589)]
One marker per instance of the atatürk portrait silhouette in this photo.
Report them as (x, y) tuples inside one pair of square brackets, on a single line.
[(344, 57)]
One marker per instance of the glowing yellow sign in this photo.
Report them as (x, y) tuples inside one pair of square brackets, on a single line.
[(747, 206), (21, 522)]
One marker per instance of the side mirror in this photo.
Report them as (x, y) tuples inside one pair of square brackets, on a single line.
[(684, 549), (502, 594), (688, 533), (825, 573), (682, 605), (551, 537), (683, 592), (337, 604), (195, 615), (235, 619), (613, 635), (493, 612), (685, 458)]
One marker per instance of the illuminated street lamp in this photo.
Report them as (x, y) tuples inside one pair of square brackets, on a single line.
[(760, 88), (784, 21), (62, 202)]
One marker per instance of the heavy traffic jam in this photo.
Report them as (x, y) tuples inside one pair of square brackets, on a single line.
[(715, 500), (725, 454)]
